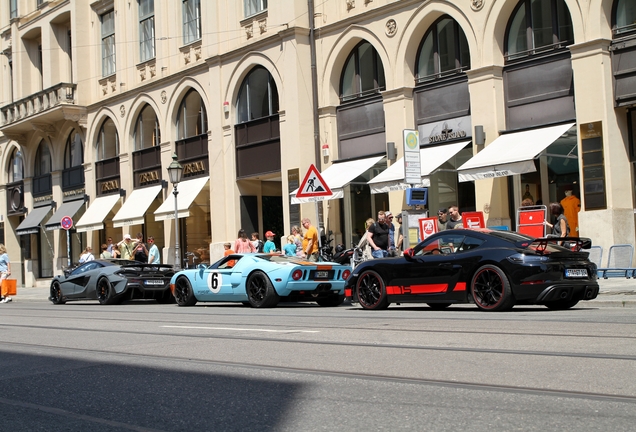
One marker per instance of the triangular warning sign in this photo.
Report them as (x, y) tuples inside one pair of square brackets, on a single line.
[(313, 185)]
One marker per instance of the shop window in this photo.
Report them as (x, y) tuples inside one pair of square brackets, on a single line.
[(258, 97), (147, 133), (192, 119), (107, 141), (363, 74), (624, 18), (443, 51), (108, 43), (191, 20), (538, 26), (146, 30), (252, 7)]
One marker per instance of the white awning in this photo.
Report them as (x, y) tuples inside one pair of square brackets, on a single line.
[(93, 219), (431, 158), (188, 191), (31, 224), (511, 153), (338, 175), (68, 208), (135, 207)]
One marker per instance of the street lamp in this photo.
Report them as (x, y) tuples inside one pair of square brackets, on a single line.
[(175, 172)]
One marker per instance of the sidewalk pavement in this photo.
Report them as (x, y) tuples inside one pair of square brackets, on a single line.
[(614, 292)]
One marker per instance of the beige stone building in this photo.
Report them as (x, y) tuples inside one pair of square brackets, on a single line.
[(510, 99)]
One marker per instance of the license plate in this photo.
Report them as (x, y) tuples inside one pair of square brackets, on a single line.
[(321, 274), (154, 282), (576, 273)]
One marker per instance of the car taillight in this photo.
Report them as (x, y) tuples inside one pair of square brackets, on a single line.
[(346, 274), (297, 274)]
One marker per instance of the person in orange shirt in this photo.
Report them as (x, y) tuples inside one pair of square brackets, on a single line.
[(228, 251), (571, 208)]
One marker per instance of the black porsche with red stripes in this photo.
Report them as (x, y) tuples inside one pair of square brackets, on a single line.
[(492, 269)]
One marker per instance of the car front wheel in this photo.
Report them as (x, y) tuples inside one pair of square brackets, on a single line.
[(183, 292), (56, 293), (490, 289), (371, 291), (260, 291)]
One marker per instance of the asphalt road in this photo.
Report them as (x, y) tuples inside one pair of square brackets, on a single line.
[(142, 366)]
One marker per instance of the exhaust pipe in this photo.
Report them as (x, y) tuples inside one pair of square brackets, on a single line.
[(563, 295)]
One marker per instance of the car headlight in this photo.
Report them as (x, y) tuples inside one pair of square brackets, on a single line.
[(520, 258)]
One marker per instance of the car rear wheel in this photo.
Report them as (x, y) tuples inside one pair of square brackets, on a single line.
[(490, 289), (56, 293), (105, 292), (331, 301), (561, 304), (438, 306), (183, 292), (371, 291), (260, 291)]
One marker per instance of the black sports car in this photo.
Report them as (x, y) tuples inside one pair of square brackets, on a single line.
[(493, 269), (111, 281)]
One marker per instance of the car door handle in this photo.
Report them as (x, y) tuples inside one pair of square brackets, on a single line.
[(449, 266)]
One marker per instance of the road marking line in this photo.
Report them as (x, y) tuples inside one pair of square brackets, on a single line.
[(244, 329)]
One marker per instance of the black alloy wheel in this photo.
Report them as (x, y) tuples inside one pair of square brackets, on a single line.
[(56, 293), (490, 289), (260, 291), (105, 292), (183, 292), (371, 291)]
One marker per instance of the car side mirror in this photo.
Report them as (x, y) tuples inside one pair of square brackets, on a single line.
[(409, 254), (586, 243)]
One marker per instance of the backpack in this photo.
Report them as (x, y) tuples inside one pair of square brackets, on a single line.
[(259, 246)]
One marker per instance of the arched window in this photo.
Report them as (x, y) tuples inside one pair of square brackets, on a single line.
[(107, 141), (624, 17), (538, 26), (147, 133), (363, 73), (258, 96), (42, 160), (443, 51), (16, 167), (74, 152), (193, 119)]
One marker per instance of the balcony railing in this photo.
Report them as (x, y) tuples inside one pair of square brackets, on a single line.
[(37, 103)]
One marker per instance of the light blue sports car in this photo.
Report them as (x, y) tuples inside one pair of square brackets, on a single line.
[(261, 281)]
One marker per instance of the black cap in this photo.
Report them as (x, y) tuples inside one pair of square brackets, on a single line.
[(443, 210)]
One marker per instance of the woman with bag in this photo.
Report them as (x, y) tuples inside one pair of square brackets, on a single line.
[(5, 270)]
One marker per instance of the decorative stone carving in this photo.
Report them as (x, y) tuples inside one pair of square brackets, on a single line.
[(113, 86), (186, 57), (391, 27), (164, 97), (197, 53), (249, 31), (476, 4), (142, 74), (104, 88), (351, 4), (262, 26), (153, 70), (122, 110)]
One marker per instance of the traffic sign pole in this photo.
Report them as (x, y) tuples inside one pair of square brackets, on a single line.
[(67, 223)]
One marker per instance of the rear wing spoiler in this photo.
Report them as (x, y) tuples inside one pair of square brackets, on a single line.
[(573, 243)]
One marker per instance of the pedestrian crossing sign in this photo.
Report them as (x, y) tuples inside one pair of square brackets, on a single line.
[(313, 185)]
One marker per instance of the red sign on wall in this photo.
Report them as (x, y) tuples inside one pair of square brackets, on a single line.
[(428, 227)]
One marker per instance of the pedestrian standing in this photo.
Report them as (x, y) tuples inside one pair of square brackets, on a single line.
[(5, 270), (105, 253), (141, 251), (126, 248), (242, 243), (400, 235), (87, 255), (388, 217), (298, 239), (153, 254), (455, 220), (442, 219), (378, 237), (310, 241), (270, 246)]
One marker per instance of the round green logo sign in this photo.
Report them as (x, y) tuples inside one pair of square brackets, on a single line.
[(411, 140)]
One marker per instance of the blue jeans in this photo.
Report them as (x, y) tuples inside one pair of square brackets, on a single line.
[(380, 253)]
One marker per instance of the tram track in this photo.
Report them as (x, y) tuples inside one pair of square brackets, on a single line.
[(260, 338), (558, 393)]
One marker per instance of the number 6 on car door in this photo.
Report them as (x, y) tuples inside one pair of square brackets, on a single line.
[(215, 281)]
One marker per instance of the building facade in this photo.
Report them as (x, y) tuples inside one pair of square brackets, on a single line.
[(511, 99)]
